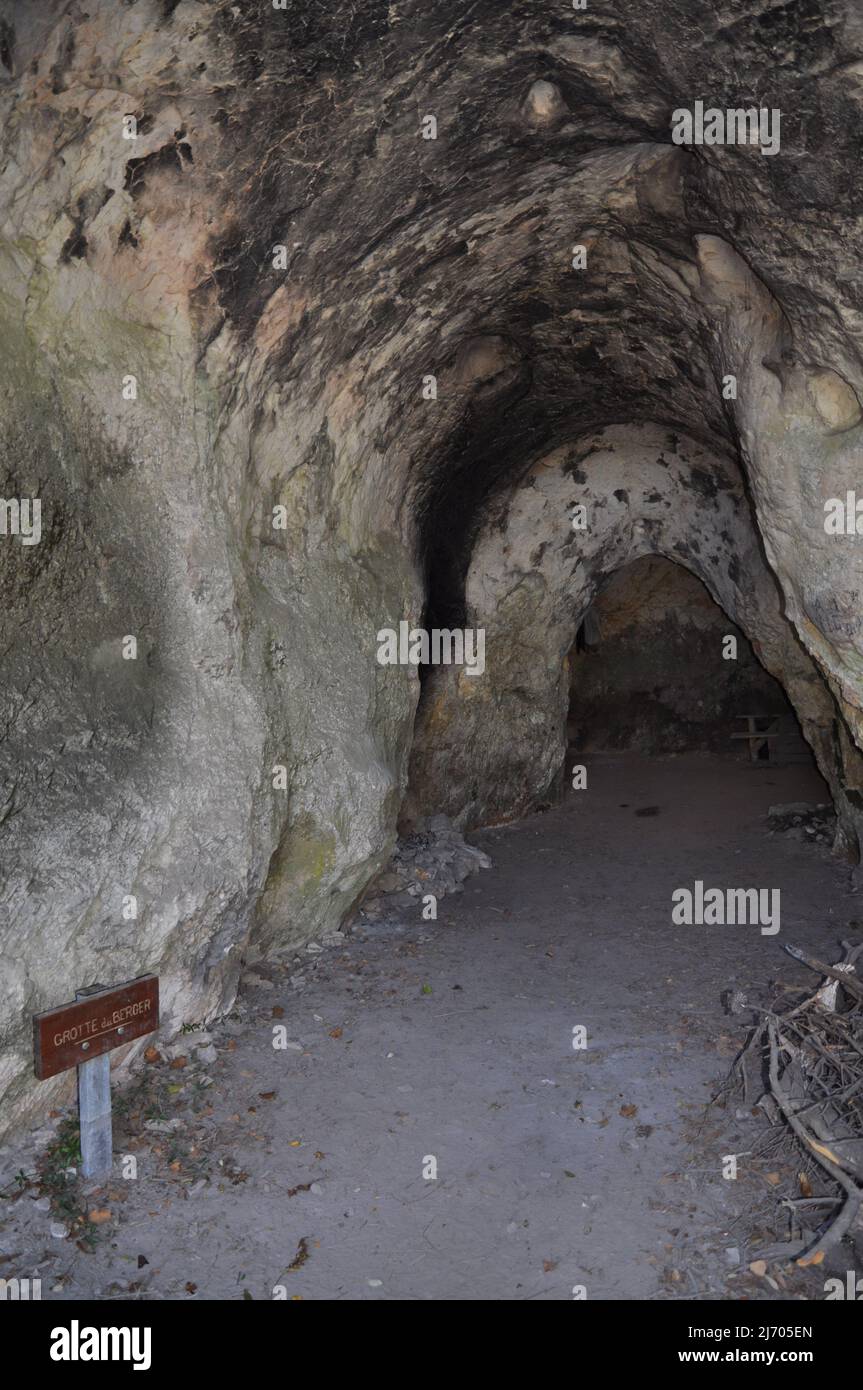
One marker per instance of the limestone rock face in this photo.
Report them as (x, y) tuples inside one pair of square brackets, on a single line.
[(320, 318)]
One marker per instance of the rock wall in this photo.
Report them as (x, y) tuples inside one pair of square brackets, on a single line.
[(293, 300)]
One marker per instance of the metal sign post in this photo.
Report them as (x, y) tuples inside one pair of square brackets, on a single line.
[(82, 1035), (94, 1107)]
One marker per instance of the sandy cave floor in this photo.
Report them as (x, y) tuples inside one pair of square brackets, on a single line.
[(556, 1168)]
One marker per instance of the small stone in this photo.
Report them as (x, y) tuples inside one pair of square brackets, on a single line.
[(207, 1055), (256, 981), (58, 1230), (544, 105), (189, 1041)]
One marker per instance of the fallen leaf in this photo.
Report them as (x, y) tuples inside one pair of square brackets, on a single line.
[(549, 1265), (191, 1288), (267, 1095), (278, 1011), (758, 1267), (178, 1063), (805, 1185), (301, 1256), (151, 1054), (772, 1178), (336, 1032), (295, 1143), (815, 1259), (627, 1111), (99, 1215)]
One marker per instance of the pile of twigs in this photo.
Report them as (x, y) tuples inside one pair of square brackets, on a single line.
[(805, 1066)]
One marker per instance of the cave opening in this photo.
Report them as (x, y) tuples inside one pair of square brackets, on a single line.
[(658, 668)]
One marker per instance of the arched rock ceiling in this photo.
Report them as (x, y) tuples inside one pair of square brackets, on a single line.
[(302, 126)]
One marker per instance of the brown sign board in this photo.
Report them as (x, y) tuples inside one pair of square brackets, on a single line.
[(76, 1033)]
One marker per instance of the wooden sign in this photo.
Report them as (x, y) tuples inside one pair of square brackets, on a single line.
[(105, 1019)]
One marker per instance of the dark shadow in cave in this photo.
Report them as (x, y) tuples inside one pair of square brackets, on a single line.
[(648, 675)]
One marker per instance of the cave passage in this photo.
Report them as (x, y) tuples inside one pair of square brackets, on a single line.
[(430, 560)]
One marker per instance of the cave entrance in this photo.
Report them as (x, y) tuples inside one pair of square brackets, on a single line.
[(658, 668)]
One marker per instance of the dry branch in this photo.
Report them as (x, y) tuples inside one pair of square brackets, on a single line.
[(814, 1059)]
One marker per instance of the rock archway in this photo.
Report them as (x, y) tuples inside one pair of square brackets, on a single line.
[(489, 749)]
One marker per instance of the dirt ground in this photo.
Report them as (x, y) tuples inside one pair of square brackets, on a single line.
[(298, 1172)]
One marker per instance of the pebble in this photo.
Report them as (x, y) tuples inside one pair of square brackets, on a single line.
[(58, 1230), (189, 1041), (257, 981)]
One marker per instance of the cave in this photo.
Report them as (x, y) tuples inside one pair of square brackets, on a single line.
[(430, 558), (658, 668)]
